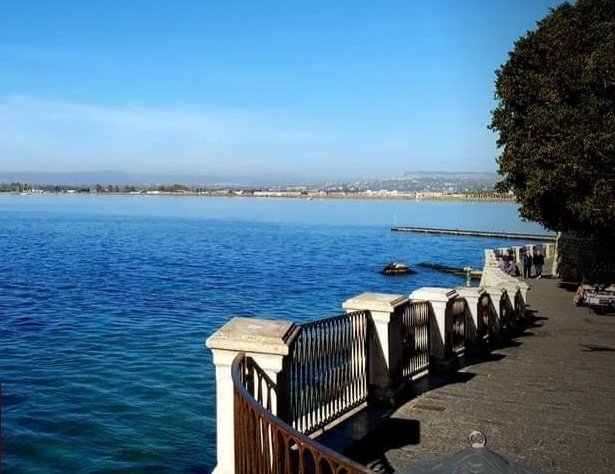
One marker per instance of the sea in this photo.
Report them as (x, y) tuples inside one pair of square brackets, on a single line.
[(106, 301)]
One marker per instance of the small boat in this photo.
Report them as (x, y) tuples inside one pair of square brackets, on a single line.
[(396, 268)]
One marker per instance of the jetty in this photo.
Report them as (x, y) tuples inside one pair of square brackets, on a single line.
[(476, 233)]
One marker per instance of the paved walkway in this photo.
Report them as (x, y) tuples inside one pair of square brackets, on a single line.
[(547, 400)]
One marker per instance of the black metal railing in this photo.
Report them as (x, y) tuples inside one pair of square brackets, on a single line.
[(327, 370), (415, 339), (485, 320), (264, 444), (458, 329), (505, 314), (519, 306)]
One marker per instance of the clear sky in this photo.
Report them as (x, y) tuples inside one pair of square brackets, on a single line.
[(317, 88)]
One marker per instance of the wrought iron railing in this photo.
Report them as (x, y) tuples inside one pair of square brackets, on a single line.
[(327, 370), (519, 306), (415, 339), (264, 444), (458, 330), (505, 314), (485, 319)]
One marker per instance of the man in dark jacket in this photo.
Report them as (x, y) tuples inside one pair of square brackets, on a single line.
[(539, 261), (527, 264)]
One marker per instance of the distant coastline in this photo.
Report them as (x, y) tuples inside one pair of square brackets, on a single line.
[(371, 196)]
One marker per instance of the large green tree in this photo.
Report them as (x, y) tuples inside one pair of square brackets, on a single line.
[(556, 119)]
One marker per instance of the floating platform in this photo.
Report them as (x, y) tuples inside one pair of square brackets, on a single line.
[(476, 233)]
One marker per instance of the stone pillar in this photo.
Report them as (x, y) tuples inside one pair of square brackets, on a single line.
[(496, 293), (474, 328), (518, 254), (385, 345), (267, 342), (440, 326)]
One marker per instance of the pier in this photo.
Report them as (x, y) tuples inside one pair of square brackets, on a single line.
[(476, 233)]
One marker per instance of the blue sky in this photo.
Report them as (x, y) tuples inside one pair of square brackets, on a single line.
[(307, 88)]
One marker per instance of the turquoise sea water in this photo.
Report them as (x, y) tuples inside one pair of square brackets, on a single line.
[(105, 303)]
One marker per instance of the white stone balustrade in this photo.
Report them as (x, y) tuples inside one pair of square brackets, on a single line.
[(267, 342), (494, 276), (440, 346)]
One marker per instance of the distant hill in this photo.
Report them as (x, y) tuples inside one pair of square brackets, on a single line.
[(409, 181), (452, 174)]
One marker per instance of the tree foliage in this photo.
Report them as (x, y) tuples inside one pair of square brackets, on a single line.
[(556, 119)]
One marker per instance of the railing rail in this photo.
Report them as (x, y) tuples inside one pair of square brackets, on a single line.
[(458, 330), (327, 370), (264, 444), (415, 339)]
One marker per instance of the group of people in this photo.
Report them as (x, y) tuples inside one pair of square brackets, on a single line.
[(537, 260), (529, 260)]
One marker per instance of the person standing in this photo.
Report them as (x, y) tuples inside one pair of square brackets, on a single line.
[(539, 261), (527, 264)]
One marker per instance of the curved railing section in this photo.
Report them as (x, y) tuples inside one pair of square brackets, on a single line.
[(264, 444)]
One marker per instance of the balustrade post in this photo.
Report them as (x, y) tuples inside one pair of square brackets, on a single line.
[(384, 344), (267, 342), (549, 250), (518, 255), (441, 354), (476, 329)]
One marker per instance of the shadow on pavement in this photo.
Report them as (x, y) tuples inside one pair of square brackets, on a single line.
[(393, 433)]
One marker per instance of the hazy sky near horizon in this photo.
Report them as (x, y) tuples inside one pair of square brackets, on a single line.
[(313, 88)]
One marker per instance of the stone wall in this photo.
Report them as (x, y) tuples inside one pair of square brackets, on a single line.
[(580, 256)]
